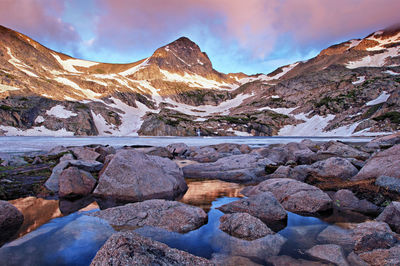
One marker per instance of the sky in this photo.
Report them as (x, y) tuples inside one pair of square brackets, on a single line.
[(250, 36)]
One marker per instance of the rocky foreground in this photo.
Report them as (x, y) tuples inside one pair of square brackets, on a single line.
[(138, 187)]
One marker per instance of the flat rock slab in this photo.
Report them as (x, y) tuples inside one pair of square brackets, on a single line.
[(235, 168), (329, 253), (383, 163), (334, 167), (134, 176), (264, 206), (294, 196), (129, 248), (170, 215), (243, 225)]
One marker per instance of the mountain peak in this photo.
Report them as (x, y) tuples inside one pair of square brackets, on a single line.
[(182, 54)]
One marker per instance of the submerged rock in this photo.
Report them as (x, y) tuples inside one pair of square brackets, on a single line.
[(129, 248), (329, 253), (134, 176), (11, 220), (243, 225), (338, 236), (289, 261), (171, 215), (294, 196)]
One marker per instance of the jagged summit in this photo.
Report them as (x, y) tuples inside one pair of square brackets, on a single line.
[(182, 55)]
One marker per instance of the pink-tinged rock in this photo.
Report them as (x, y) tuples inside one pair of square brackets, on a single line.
[(264, 206), (383, 163), (294, 196), (334, 167), (380, 257), (243, 225), (134, 176), (171, 215), (129, 248), (391, 216), (75, 183), (328, 253), (85, 153)]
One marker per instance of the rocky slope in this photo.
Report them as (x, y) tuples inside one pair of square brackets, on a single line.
[(350, 88)]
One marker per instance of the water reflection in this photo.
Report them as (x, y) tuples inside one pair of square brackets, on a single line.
[(203, 193), (38, 211)]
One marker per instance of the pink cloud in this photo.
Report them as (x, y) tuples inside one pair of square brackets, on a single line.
[(255, 24), (40, 19)]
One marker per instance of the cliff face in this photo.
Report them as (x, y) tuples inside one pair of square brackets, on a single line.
[(348, 89)]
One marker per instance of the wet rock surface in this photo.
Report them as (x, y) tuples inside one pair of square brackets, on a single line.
[(264, 206), (294, 196), (129, 248), (243, 225), (329, 253), (171, 215)]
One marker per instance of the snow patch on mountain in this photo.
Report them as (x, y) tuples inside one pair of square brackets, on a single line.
[(20, 65), (390, 72), (380, 99), (382, 41), (196, 81), (35, 131), (360, 80), (134, 69), (59, 111), (376, 60), (88, 93), (353, 43), (313, 126), (70, 64), (39, 119), (4, 88), (282, 110)]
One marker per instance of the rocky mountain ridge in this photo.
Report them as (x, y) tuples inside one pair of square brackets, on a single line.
[(350, 88)]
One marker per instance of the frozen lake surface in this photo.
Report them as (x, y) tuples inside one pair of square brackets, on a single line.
[(36, 144)]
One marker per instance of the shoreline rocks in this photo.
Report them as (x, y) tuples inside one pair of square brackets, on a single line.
[(11, 220)]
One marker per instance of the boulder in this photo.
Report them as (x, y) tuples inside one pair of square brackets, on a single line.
[(391, 216), (328, 253), (382, 256), (11, 220), (339, 149), (244, 149), (285, 260), (57, 150), (178, 149), (129, 248), (264, 206), (303, 236), (388, 182), (67, 157), (157, 151), (276, 155), (299, 153), (383, 163), (104, 151), (338, 236), (243, 225), (344, 199), (85, 153), (259, 250), (225, 260), (205, 155), (75, 183), (53, 182), (171, 215), (299, 173), (236, 168), (375, 240), (37, 160), (312, 145), (384, 142), (355, 260), (334, 167), (294, 196), (134, 176)]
